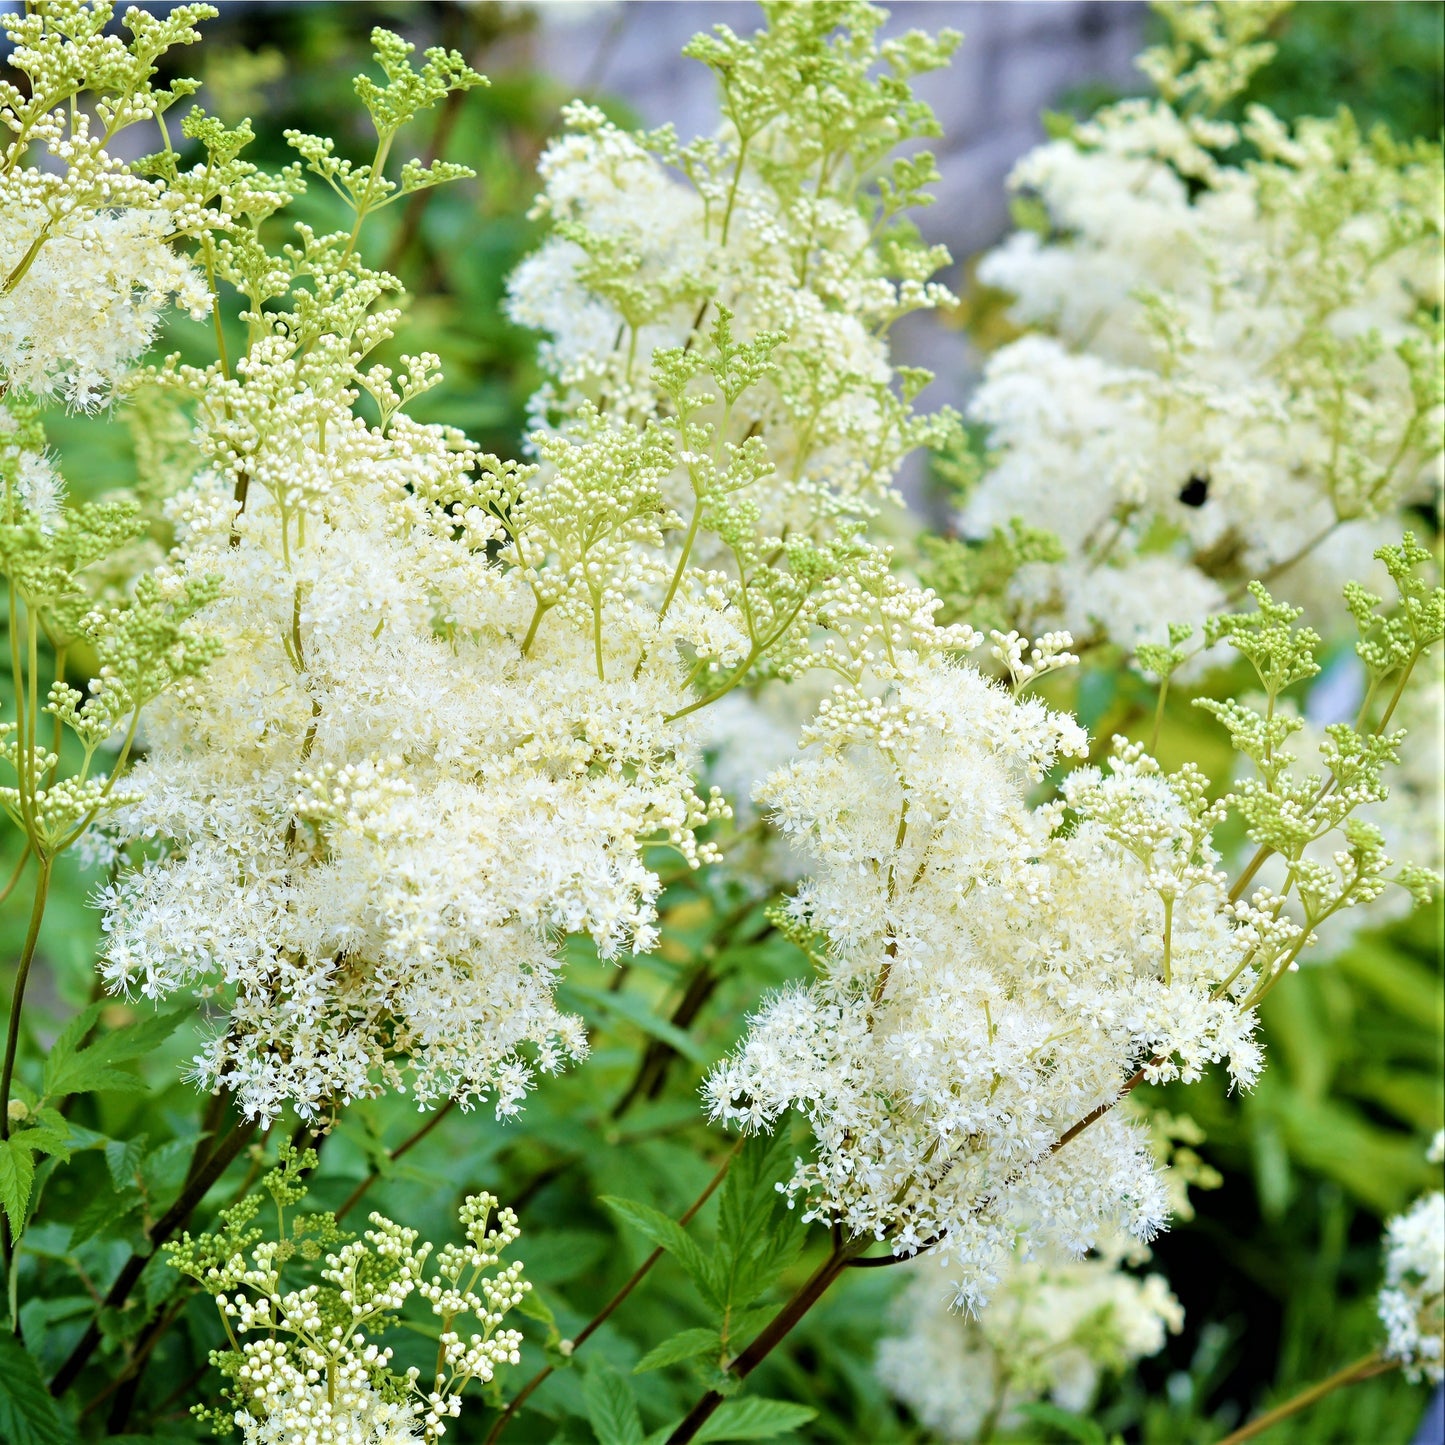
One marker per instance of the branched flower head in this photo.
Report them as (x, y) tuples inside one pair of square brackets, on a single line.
[(312, 1369), (1229, 370), (1412, 1302)]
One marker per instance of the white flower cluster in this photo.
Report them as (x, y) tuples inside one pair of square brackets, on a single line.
[(1054, 1329), (1229, 371), (1412, 1302), (767, 222), (989, 974), (338, 1408), (311, 1374), (382, 809), (457, 697), (87, 267)]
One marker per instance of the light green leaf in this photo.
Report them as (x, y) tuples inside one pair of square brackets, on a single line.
[(611, 1410), (668, 1235), (17, 1174), (92, 1069), (685, 1346), (28, 1416), (754, 1419)]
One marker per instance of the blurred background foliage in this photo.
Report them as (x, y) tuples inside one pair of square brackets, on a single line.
[(1278, 1267)]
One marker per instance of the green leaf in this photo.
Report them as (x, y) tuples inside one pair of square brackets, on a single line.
[(102, 1211), (686, 1346), (122, 1158), (17, 1174), (1075, 1427), (669, 1235), (630, 1008), (611, 1410), (28, 1416), (758, 1235), (754, 1419), (92, 1069)]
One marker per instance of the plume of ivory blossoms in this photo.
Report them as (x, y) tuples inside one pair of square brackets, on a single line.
[(456, 695), (87, 265), (1412, 1302), (1229, 370), (995, 971), (988, 975), (775, 222)]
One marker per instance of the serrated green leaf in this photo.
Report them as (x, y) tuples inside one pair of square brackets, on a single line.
[(630, 1008), (1075, 1427), (92, 1069), (164, 1169), (754, 1419), (122, 1159), (75, 1030), (758, 1235), (45, 1140), (685, 1346), (611, 1410), (28, 1416), (104, 1208), (669, 1235), (17, 1174)]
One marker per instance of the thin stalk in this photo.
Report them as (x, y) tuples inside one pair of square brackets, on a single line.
[(1158, 714), (1363, 1369), (602, 1315), (17, 996), (393, 1155), (172, 1220), (777, 1329)]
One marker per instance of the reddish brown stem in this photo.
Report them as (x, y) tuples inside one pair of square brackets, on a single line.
[(406, 1144), (171, 1221), (602, 1315)]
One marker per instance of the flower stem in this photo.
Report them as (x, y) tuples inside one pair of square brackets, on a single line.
[(1363, 1369), (807, 1295), (17, 997), (597, 1320), (172, 1220)]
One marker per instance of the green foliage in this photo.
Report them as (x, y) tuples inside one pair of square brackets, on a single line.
[(1328, 1144), (28, 1416)]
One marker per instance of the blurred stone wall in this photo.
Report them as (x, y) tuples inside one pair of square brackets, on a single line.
[(1018, 58)]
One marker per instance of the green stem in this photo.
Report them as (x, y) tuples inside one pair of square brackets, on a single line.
[(597, 1320), (172, 1220), (17, 997), (1363, 1369)]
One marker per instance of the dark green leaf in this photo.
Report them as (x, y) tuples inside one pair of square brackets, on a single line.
[(668, 1235), (28, 1416), (103, 1210), (122, 1158), (631, 1008)]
